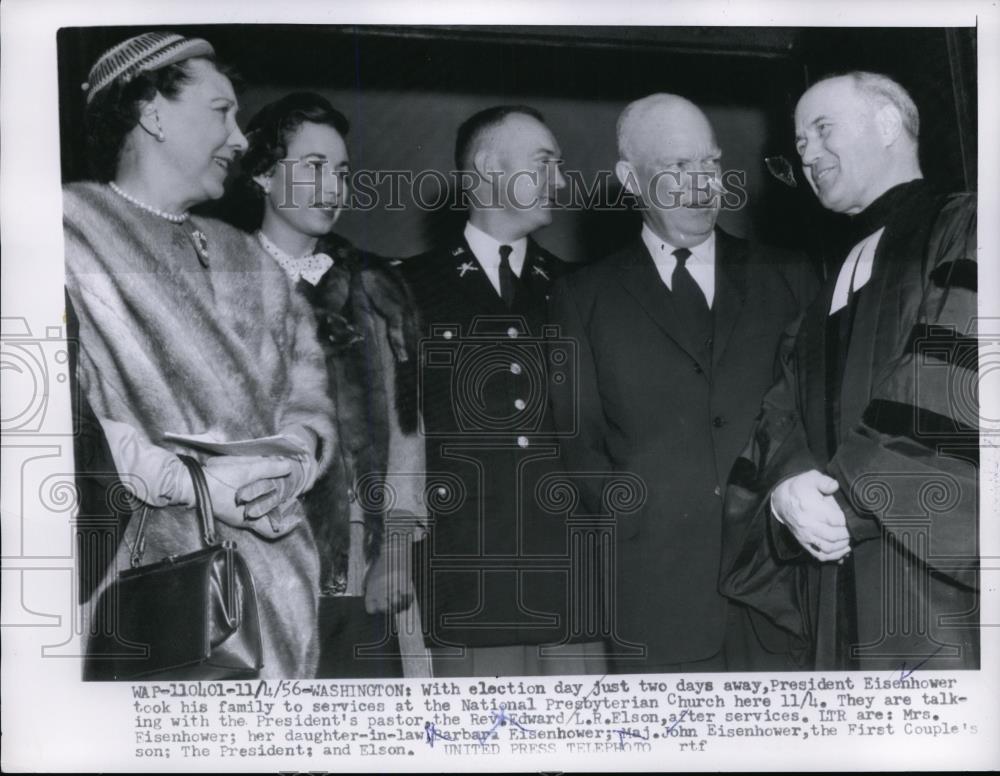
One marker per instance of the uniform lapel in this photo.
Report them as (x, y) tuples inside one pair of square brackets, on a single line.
[(639, 277), (470, 279), (536, 275), (730, 289)]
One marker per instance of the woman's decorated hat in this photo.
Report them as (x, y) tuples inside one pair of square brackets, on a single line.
[(143, 53)]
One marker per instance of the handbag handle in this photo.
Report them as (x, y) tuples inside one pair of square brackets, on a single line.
[(202, 504), (202, 499)]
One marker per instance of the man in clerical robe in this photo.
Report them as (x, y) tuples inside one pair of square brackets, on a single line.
[(852, 513)]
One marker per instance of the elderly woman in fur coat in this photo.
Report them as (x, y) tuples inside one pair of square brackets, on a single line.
[(369, 507), (188, 328)]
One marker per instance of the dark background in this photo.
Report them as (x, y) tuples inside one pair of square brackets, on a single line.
[(406, 89)]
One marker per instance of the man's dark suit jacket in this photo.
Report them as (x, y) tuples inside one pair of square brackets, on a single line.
[(649, 403), (489, 585)]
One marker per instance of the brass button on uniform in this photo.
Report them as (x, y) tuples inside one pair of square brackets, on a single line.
[(522, 441), (519, 404)]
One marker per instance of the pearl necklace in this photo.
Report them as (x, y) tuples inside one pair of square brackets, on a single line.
[(174, 218)]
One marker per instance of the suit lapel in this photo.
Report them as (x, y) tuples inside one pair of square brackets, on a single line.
[(639, 277), (730, 290)]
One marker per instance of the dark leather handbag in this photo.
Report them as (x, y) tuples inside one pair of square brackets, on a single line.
[(190, 617)]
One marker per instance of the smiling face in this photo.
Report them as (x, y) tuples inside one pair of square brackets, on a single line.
[(673, 167), (528, 161), (200, 135), (843, 152), (306, 191)]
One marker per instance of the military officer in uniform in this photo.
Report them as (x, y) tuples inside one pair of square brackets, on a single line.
[(495, 581)]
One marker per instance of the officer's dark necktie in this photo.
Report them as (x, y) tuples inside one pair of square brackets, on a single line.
[(690, 300), (508, 280)]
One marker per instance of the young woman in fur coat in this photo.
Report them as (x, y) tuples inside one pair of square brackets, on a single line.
[(369, 506)]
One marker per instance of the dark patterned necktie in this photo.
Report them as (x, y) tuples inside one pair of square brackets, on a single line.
[(508, 280), (690, 300)]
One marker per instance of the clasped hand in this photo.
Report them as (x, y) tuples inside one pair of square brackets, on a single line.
[(805, 504), (245, 489)]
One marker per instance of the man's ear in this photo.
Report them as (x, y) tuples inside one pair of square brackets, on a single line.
[(483, 161), (625, 173), (487, 166), (889, 123), (149, 117)]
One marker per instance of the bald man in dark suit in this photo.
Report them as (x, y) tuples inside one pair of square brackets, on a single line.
[(677, 335)]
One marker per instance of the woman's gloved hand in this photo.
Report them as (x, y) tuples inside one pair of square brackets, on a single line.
[(227, 475), (264, 495), (281, 520)]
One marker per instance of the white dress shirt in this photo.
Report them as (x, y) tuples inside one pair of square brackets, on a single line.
[(856, 270), (487, 252), (700, 264)]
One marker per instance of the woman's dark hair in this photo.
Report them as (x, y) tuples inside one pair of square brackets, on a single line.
[(114, 111), (268, 133), (273, 126)]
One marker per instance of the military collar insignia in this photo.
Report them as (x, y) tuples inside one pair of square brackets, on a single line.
[(540, 271), (457, 251), (466, 266)]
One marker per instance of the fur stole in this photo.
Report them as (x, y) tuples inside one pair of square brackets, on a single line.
[(368, 328)]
